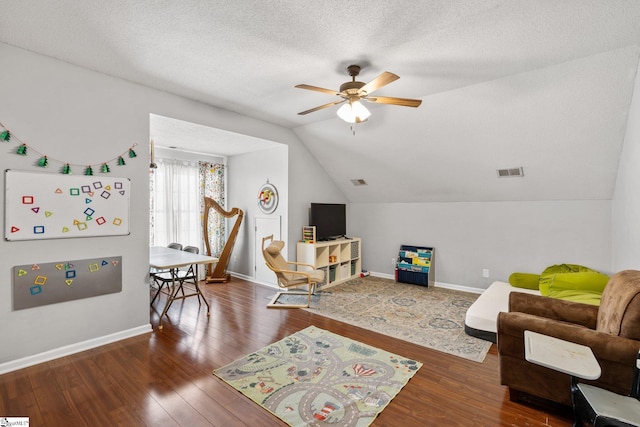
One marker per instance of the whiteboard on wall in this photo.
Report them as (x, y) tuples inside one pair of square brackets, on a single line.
[(57, 206)]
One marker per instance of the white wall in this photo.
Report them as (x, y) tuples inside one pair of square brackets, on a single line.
[(169, 153), (246, 174), (626, 199), (503, 237), (81, 116)]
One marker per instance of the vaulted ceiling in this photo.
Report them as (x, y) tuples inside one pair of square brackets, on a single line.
[(542, 84)]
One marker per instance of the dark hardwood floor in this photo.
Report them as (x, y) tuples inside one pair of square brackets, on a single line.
[(165, 378)]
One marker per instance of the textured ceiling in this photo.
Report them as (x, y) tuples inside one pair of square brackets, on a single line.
[(543, 84)]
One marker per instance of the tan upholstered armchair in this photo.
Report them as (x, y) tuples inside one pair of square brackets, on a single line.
[(287, 275), (612, 331)]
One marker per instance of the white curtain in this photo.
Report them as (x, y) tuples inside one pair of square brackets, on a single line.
[(175, 204)]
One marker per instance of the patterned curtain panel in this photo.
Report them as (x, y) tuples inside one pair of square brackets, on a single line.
[(212, 185)]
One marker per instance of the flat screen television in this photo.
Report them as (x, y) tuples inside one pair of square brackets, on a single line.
[(330, 220)]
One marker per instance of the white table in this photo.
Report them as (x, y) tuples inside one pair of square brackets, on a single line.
[(570, 358), (163, 258), (564, 356)]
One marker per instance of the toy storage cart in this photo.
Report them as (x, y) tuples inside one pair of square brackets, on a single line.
[(415, 264)]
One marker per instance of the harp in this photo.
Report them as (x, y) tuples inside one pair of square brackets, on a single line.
[(219, 273)]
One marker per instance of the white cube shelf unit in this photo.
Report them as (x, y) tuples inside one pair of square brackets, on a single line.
[(339, 259)]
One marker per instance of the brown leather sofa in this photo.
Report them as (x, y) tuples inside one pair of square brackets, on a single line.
[(612, 331)]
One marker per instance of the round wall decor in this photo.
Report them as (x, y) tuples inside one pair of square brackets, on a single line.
[(268, 198)]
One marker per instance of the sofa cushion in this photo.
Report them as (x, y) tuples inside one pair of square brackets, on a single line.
[(619, 312)]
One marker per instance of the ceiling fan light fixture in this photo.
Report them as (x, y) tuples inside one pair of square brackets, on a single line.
[(353, 112)]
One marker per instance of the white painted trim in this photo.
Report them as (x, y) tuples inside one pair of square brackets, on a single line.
[(438, 284), (46, 356), (384, 276), (253, 280), (460, 288)]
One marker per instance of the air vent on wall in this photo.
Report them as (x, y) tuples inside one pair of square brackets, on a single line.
[(504, 173), (358, 182)]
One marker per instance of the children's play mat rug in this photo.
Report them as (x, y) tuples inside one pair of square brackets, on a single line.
[(315, 377)]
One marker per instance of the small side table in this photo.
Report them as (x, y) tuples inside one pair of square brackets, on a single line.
[(597, 406), (570, 358)]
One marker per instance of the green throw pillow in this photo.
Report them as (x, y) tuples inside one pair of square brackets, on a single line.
[(524, 280)]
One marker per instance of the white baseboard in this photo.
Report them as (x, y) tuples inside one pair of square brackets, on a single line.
[(438, 284), (460, 288), (14, 365), (253, 280), (384, 276)]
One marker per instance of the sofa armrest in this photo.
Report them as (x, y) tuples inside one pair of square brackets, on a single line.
[(554, 309), (604, 346), (616, 355)]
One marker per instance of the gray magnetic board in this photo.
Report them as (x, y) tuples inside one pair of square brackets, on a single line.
[(35, 285), (56, 206)]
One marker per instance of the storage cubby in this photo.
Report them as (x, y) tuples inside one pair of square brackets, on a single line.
[(339, 259)]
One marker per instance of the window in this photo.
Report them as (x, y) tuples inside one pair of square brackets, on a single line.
[(175, 204), (177, 195)]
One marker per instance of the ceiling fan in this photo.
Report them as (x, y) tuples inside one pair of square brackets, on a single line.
[(353, 92)]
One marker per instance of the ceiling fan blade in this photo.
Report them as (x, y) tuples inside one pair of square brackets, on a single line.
[(302, 113), (380, 81), (317, 89), (405, 102)]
